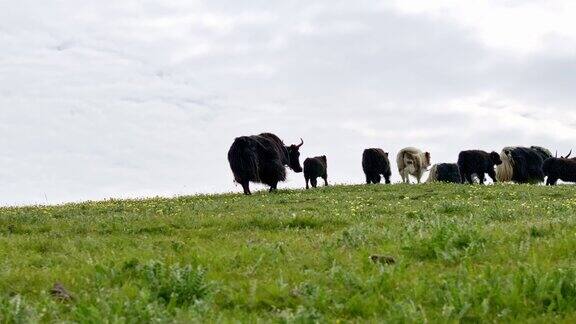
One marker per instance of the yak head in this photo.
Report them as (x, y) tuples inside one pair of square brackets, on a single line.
[(495, 157), (294, 157)]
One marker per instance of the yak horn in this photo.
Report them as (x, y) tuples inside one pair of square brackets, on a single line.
[(556, 155), (301, 143), (570, 153)]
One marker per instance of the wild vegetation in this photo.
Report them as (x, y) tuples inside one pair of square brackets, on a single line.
[(431, 252)]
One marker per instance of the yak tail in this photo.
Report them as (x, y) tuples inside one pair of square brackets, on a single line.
[(402, 159), (505, 171), (243, 160), (433, 177)]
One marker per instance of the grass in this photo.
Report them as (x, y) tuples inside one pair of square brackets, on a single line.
[(503, 253)]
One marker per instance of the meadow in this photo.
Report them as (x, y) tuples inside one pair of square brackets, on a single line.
[(420, 253)]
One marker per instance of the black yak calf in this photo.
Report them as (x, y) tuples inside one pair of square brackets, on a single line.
[(522, 164), (479, 163), (314, 168), (561, 168), (445, 172), (262, 158), (375, 162)]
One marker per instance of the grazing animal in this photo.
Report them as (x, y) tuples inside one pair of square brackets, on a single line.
[(316, 167), (412, 161), (479, 163), (543, 152), (562, 168), (262, 158), (522, 164), (375, 162), (445, 172)]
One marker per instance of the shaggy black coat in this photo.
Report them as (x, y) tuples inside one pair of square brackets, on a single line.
[(262, 158), (375, 162), (316, 167), (527, 164), (477, 162), (544, 153), (559, 169), (448, 172)]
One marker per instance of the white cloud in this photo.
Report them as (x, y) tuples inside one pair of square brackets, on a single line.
[(521, 27)]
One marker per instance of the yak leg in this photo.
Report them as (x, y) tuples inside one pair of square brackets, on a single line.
[(273, 187), (405, 176), (481, 177), (313, 182), (368, 179), (387, 178), (246, 187), (469, 178), (492, 175), (325, 181), (554, 181), (307, 187), (462, 176), (376, 178)]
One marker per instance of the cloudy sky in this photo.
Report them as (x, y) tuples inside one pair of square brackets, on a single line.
[(132, 98)]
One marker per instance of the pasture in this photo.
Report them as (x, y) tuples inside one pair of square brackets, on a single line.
[(461, 253)]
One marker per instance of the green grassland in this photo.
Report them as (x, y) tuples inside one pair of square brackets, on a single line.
[(502, 253)]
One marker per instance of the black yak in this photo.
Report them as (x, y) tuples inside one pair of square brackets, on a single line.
[(262, 158), (522, 164), (561, 168), (375, 162), (478, 162), (316, 167), (412, 161), (445, 172), (544, 153)]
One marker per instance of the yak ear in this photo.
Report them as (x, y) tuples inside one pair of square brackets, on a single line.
[(386, 153), (427, 154)]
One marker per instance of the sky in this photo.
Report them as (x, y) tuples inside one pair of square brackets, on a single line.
[(127, 99)]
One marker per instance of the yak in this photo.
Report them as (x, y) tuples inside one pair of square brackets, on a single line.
[(562, 168), (544, 153), (412, 161), (445, 172), (262, 159), (375, 162), (479, 163), (522, 164), (316, 167)]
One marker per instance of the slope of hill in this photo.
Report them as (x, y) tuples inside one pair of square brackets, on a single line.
[(440, 253)]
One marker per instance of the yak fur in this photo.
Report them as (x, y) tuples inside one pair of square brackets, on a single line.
[(445, 172), (412, 161), (375, 164), (262, 158), (316, 167), (479, 163)]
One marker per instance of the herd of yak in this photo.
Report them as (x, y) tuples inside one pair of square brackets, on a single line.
[(263, 158)]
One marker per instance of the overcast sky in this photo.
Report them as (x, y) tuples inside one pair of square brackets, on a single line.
[(130, 98)]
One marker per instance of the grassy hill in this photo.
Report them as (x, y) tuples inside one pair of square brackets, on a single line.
[(469, 253)]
